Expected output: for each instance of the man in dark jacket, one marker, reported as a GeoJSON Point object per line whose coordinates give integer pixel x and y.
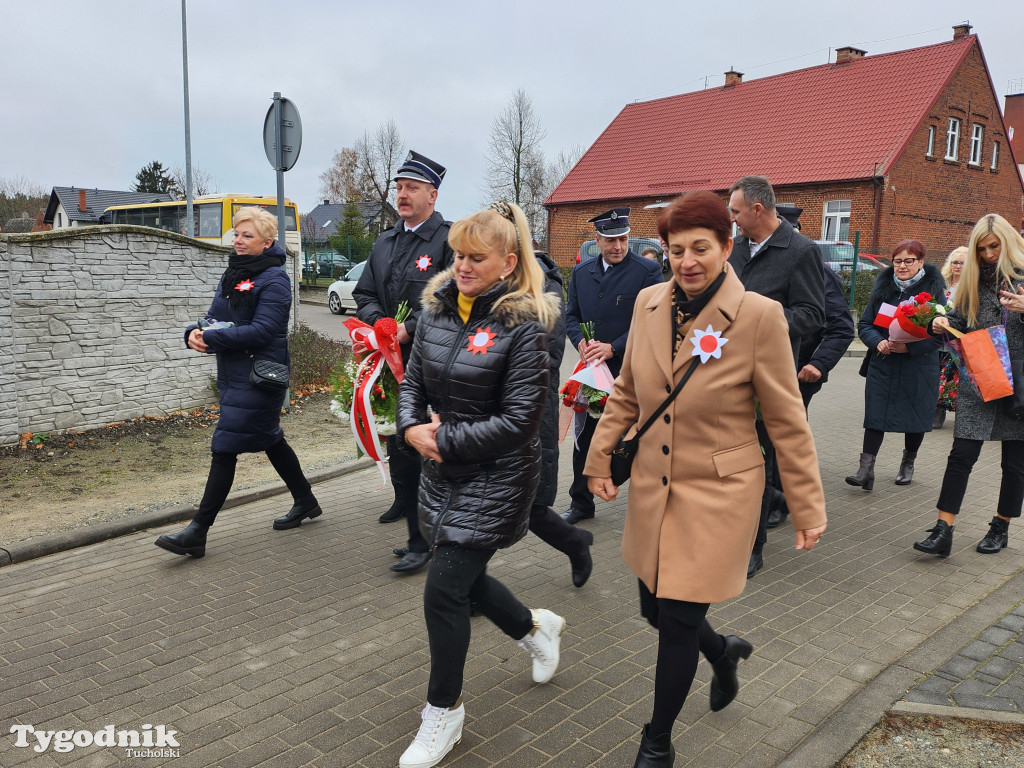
{"type": "Point", "coordinates": [401, 263]}
{"type": "Point", "coordinates": [822, 351]}
{"type": "Point", "coordinates": [603, 291]}
{"type": "Point", "coordinates": [773, 259]}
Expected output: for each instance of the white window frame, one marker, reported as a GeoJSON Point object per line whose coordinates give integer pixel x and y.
{"type": "Point", "coordinates": [977, 137]}
{"type": "Point", "coordinates": [995, 155]}
{"type": "Point", "coordinates": [953, 139]}
{"type": "Point", "coordinates": [930, 152]}
{"type": "Point", "coordinates": [835, 220]}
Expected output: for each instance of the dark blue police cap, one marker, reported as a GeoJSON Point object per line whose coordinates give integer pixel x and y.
{"type": "Point", "coordinates": [421, 168]}
{"type": "Point", "coordinates": [612, 223]}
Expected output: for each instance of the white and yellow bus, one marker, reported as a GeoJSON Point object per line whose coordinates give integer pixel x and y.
{"type": "Point", "coordinates": [212, 215]}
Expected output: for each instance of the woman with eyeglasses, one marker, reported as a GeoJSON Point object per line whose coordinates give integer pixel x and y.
{"type": "Point", "coordinates": [949, 374]}
{"type": "Point", "coordinates": [902, 379]}
{"type": "Point", "coordinates": [990, 293]}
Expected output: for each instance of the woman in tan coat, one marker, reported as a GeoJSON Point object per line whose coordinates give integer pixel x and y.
{"type": "Point", "coordinates": [697, 481]}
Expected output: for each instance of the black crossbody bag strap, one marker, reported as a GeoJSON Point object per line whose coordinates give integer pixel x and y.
{"type": "Point", "coordinates": [668, 400]}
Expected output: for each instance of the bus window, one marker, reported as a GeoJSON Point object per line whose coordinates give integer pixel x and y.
{"type": "Point", "coordinates": [289, 213]}
{"type": "Point", "coordinates": [208, 220]}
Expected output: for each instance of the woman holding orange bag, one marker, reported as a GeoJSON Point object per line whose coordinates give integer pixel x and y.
{"type": "Point", "coordinates": [990, 290]}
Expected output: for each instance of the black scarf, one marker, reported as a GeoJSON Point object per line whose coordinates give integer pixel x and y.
{"type": "Point", "coordinates": [687, 309]}
{"type": "Point", "coordinates": [240, 269]}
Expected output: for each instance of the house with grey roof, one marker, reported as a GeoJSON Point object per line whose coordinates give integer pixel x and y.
{"type": "Point", "coordinates": [74, 207]}
{"type": "Point", "coordinates": [325, 218]}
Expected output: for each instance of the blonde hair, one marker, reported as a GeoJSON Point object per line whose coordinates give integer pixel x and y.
{"type": "Point", "coordinates": [263, 220]}
{"type": "Point", "coordinates": [506, 232]}
{"type": "Point", "coordinates": [947, 268]}
{"type": "Point", "coordinates": [1009, 266]}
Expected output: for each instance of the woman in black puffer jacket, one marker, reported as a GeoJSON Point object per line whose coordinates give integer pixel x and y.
{"type": "Point", "coordinates": [253, 300]}
{"type": "Point", "coordinates": [471, 405]}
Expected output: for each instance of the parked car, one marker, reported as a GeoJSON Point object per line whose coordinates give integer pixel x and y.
{"type": "Point", "coordinates": [839, 256]}
{"type": "Point", "coordinates": [326, 266]}
{"type": "Point", "coordinates": [339, 294]}
{"type": "Point", "coordinates": [589, 249]}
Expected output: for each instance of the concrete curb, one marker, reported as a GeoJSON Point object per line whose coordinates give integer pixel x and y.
{"type": "Point", "coordinates": [21, 551]}
{"type": "Point", "coordinates": [962, 713]}
{"type": "Point", "coordinates": [844, 729]}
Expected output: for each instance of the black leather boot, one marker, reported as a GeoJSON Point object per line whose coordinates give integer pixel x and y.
{"type": "Point", "coordinates": [998, 536]}
{"type": "Point", "coordinates": [940, 418]}
{"type": "Point", "coordinates": [724, 683]}
{"type": "Point", "coordinates": [655, 752]}
{"type": "Point", "coordinates": [940, 542]}
{"type": "Point", "coordinates": [906, 473]}
{"type": "Point", "coordinates": [299, 512]}
{"type": "Point", "coordinates": [778, 510]}
{"type": "Point", "coordinates": [395, 512]}
{"type": "Point", "coordinates": [191, 541]}
{"type": "Point", "coordinates": [865, 476]}
{"type": "Point", "coordinates": [581, 561]}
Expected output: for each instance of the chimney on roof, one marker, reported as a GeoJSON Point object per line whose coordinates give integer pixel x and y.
{"type": "Point", "coordinates": [81, 200]}
{"type": "Point", "coordinates": [732, 77]}
{"type": "Point", "coordinates": [327, 202]}
{"type": "Point", "coordinates": [848, 53]}
{"type": "Point", "coordinates": [961, 31]}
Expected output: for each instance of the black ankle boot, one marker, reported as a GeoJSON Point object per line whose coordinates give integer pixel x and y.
{"type": "Point", "coordinates": [998, 536]}
{"type": "Point", "coordinates": [724, 684]}
{"type": "Point", "coordinates": [655, 753]}
{"type": "Point", "coordinates": [299, 512]}
{"type": "Point", "coordinates": [940, 542]}
{"type": "Point", "coordinates": [395, 512]}
{"type": "Point", "coordinates": [865, 476]}
{"type": "Point", "coordinates": [940, 418]}
{"type": "Point", "coordinates": [581, 561]}
{"type": "Point", "coordinates": [906, 473]}
{"type": "Point", "coordinates": [191, 541]}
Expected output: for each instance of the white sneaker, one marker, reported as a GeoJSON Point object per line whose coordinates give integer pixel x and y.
{"type": "Point", "coordinates": [439, 732]}
{"type": "Point", "coordinates": [543, 642]}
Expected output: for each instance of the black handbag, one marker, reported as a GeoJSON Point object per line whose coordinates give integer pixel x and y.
{"type": "Point", "coordinates": [624, 453]}
{"type": "Point", "coordinates": [268, 375]}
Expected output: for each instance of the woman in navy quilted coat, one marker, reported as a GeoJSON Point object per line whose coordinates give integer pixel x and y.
{"type": "Point", "coordinates": [471, 405]}
{"type": "Point", "coordinates": [255, 295]}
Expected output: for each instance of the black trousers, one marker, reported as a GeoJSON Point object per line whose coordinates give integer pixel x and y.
{"type": "Point", "coordinates": [770, 473]}
{"type": "Point", "coordinates": [456, 577]}
{"type": "Point", "coordinates": [962, 457]}
{"type": "Point", "coordinates": [550, 528]}
{"type": "Point", "coordinates": [405, 464]}
{"type": "Point", "coordinates": [222, 475]}
{"type": "Point", "coordinates": [873, 441]}
{"type": "Point", "coordinates": [582, 498]}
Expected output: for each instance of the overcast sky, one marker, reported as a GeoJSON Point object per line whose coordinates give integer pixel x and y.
{"type": "Point", "coordinates": [93, 88]}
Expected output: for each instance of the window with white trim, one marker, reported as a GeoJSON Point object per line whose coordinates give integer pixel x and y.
{"type": "Point", "coordinates": [836, 220]}
{"type": "Point", "coordinates": [930, 152]}
{"type": "Point", "coordinates": [995, 154]}
{"type": "Point", "coordinates": [953, 138]}
{"type": "Point", "coordinates": [977, 132]}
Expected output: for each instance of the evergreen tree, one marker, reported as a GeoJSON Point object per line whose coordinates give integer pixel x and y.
{"type": "Point", "coordinates": [153, 178]}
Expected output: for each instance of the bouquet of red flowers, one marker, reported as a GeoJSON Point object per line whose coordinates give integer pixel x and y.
{"type": "Point", "coordinates": [911, 319]}
{"type": "Point", "coordinates": [586, 392]}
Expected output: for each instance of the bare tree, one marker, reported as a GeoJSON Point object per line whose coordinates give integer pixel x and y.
{"type": "Point", "coordinates": [21, 198]}
{"type": "Point", "coordinates": [379, 157]}
{"type": "Point", "coordinates": [203, 182]}
{"type": "Point", "coordinates": [343, 181]}
{"type": "Point", "coordinates": [15, 186]}
{"type": "Point", "coordinates": [516, 168]}
{"type": "Point", "coordinates": [560, 166]}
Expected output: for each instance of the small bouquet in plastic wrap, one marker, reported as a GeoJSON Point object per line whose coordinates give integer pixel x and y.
{"type": "Point", "coordinates": [366, 388]}
{"type": "Point", "coordinates": [586, 392]}
{"type": "Point", "coordinates": [911, 318]}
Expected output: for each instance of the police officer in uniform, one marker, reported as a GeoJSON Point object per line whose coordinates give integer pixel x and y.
{"type": "Point", "coordinates": [401, 263]}
{"type": "Point", "coordinates": [603, 290]}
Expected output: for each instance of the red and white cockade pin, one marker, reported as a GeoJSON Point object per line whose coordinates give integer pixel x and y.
{"type": "Point", "coordinates": [481, 340]}
{"type": "Point", "coordinates": [245, 285]}
{"type": "Point", "coordinates": [423, 263]}
{"type": "Point", "coordinates": [707, 343]}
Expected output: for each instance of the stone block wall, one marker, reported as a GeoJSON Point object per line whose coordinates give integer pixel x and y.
{"type": "Point", "coordinates": [92, 326]}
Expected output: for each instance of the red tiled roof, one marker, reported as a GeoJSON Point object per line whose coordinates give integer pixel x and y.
{"type": "Point", "coordinates": [824, 123]}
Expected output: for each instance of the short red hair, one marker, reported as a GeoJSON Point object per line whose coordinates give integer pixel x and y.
{"type": "Point", "coordinates": [913, 247]}
{"type": "Point", "coordinates": [696, 210]}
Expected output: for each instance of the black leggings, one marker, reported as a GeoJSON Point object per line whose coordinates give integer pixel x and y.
{"type": "Point", "coordinates": [962, 457]}
{"type": "Point", "coordinates": [683, 635]}
{"type": "Point", "coordinates": [873, 441]}
{"type": "Point", "coordinates": [458, 575]}
{"type": "Point", "coordinates": [222, 475]}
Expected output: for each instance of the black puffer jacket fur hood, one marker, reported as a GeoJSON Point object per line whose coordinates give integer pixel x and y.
{"type": "Point", "coordinates": [488, 381]}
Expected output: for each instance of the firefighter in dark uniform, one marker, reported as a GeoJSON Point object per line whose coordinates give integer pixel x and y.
{"type": "Point", "coordinates": [401, 263]}
{"type": "Point", "coordinates": [603, 291]}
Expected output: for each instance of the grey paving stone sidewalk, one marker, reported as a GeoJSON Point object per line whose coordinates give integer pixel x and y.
{"type": "Point", "coordinates": [986, 674]}
{"type": "Point", "coordinates": [300, 648]}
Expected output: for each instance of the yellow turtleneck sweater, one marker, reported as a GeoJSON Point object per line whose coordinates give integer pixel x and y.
{"type": "Point", "coordinates": [465, 306]}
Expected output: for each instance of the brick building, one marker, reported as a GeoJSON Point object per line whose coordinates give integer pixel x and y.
{"type": "Point", "coordinates": [903, 144]}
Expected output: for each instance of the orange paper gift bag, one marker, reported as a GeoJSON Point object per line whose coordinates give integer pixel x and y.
{"type": "Point", "coordinates": [986, 360]}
